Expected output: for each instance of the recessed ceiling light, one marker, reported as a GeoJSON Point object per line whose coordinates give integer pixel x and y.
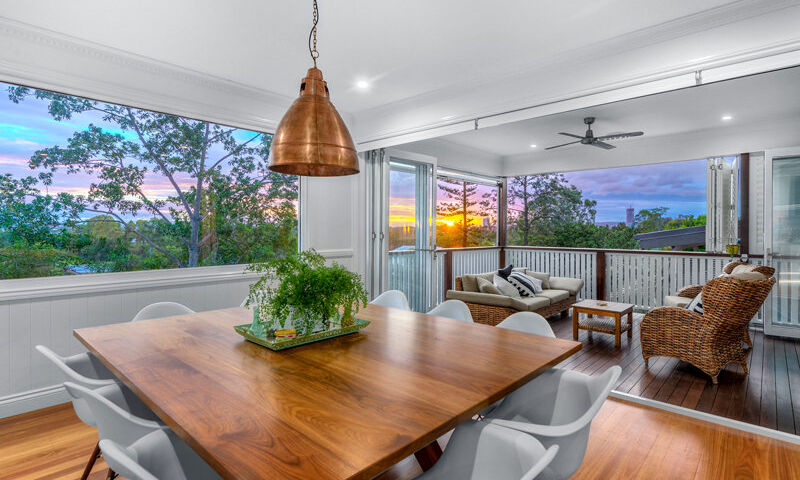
{"type": "Point", "coordinates": [726, 118]}
{"type": "Point", "coordinates": [362, 84]}
{"type": "Point", "coordinates": [448, 117]}
{"type": "Point", "coordinates": [533, 145]}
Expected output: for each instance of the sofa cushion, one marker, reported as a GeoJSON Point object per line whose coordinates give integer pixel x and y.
{"type": "Point", "coordinates": [532, 304]}
{"type": "Point", "coordinates": [526, 286]}
{"type": "Point", "coordinates": [485, 286]}
{"type": "Point", "coordinates": [544, 277]}
{"type": "Point", "coordinates": [554, 295]}
{"type": "Point", "coordinates": [505, 287]}
{"type": "Point", "coordinates": [482, 298]}
{"type": "Point", "coordinates": [676, 301]}
{"type": "Point", "coordinates": [572, 285]}
{"type": "Point", "coordinates": [505, 271]}
{"type": "Point", "coordinates": [469, 283]}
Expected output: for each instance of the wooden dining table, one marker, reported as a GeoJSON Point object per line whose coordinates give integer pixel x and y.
{"type": "Point", "coordinates": [343, 408]}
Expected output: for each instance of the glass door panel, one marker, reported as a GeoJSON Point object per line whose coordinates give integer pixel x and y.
{"type": "Point", "coordinates": [411, 255]}
{"type": "Point", "coordinates": [783, 241]}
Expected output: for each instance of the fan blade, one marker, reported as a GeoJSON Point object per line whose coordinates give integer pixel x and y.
{"type": "Point", "coordinates": [618, 136]}
{"type": "Point", "coordinates": [604, 145]}
{"type": "Point", "coordinates": [562, 145]}
{"type": "Point", "coordinates": [571, 135]}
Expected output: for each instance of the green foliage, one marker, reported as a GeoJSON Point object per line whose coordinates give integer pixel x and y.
{"type": "Point", "coordinates": [300, 288]}
{"type": "Point", "coordinates": [539, 204]}
{"type": "Point", "coordinates": [25, 261]}
{"type": "Point", "coordinates": [651, 220]}
{"type": "Point", "coordinates": [690, 221]}
{"type": "Point", "coordinates": [588, 235]}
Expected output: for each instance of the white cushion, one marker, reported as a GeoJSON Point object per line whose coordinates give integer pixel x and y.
{"type": "Point", "coordinates": [527, 286]}
{"type": "Point", "coordinates": [748, 276]}
{"type": "Point", "coordinates": [485, 286]}
{"type": "Point", "coordinates": [743, 268]}
{"type": "Point", "coordinates": [676, 301]}
{"type": "Point", "coordinates": [696, 305]}
{"type": "Point", "coordinates": [505, 288]}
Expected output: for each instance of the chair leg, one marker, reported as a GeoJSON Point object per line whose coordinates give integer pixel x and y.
{"type": "Point", "coordinates": [714, 379]}
{"type": "Point", "coordinates": [747, 338]}
{"type": "Point", "coordinates": [111, 475]}
{"type": "Point", "coordinates": [743, 363]}
{"type": "Point", "coordinates": [92, 460]}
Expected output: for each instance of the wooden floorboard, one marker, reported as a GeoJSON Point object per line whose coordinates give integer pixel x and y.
{"type": "Point", "coordinates": [626, 441]}
{"type": "Point", "coordinates": [768, 396]}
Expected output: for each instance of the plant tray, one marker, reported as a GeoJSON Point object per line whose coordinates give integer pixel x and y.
{"type": "Point", "coordinates": [284, 343]}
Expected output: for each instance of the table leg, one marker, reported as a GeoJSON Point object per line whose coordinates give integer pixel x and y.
{"type": "Point", "coordinates": [630, 324]}
{"type": "Point", "coordinates": [428, 455]}
{"type": "Point", "coordinates": [574, 323]}
{"type": "Point", "coordinates": [617, 328]}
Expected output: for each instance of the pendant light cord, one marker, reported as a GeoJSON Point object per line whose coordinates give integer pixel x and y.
{"type": "Point", "coordinates": [312, 37]}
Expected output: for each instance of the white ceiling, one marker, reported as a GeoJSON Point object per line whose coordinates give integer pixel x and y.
{"type": "Point", "coordinates": [753, 100]}
{"type": "Point", "coordinates": [405, 48]}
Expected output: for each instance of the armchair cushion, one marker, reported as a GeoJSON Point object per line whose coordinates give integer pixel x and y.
{"type": "Point", "coordinates": [676, 301]}
{"type": "Point", "coordinates": [554, 295]}
{"type": "Point", "coordinates": [696, 305]}
{"type": "Point", "coordinates": [572, 285]}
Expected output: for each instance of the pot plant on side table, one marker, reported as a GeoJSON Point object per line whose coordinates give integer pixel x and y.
{"type": "Point", "coordinates": [299, 300]}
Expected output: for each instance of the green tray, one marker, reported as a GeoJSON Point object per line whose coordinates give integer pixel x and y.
{"type": "Point", "coordinates": [284, 343]}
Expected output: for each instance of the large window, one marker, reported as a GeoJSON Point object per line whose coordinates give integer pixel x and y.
{"type": "Point", "coordinates": [466, 210]}
{"type": "Point", "coordinates": [91, 187]}
{"type": "Point", "coordinates": [611, 208]}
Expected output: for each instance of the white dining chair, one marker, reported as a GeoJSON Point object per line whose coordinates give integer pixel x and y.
{"type": "Point", "coordinates": [84, 369]}
{"type": "Point", "coordinates": [528, 322]}
{"type": "Point", "coordinates": [482, 451]}
{"type": "Point", "coordinates": [161, 310]}
{"type": "Point", "coordinates": [159, 455]}
{"type": "Point", "coordinates": [110, 408]}
{"type": "Point", "coordinates": [392, 299]}
{"type": "Point", "coordinates": [455, 309]}
{"type": "Point", "coordinates": [557, 408]}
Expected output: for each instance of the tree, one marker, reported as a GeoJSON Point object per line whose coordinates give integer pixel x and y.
{"type": "Point", "coordinates": [543, 202]}
{"type": "Point", "coordinates": [216, 180]}
{"type": "Point", "coordinates": [651, 220]}
{"type": "Point", "coordinates": [466, 204]}
{"type": "Point", "coordinates": [686, 222]}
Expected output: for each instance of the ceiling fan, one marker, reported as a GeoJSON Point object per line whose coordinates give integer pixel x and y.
{"type": "Point", "coordinates": [590, 139]}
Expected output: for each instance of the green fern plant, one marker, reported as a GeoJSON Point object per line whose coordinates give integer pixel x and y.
{"type": "Point", "coordinates": [301, 288]}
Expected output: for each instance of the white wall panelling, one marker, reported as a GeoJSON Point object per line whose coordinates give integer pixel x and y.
{"type": "Point", "coordinates": [28, 381]}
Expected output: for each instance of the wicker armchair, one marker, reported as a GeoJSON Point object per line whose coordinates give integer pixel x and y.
{"type": "Point", "coordinates": [714, 339]}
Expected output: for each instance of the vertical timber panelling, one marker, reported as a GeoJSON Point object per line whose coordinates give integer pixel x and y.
{"type": "Point", "coordinates": [50, 321]}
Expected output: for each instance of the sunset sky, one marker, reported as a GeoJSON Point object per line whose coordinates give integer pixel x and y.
{"type": "Point", "coordinates": [27, 126]}
{"type": "Point", "coordinates": [681, 186]}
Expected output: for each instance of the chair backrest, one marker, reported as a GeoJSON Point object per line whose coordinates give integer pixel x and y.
{"type": "Point", "coordinates": [392, 299]}
{"type": "Point", "coordinates": [161, 310]}
{"type": "Point", "coordinates": [159, 455]}
{"type": "Point", "coordinates": [83, 369]}
{"type": "Point", "coordinates": [455, 309]}
{"type": "Point", "coordinates": [528, 322]}
{"type": "Point", "coordinates": [112, 421]}
{"type": "Point", "coordinates": [729, 304]}
{"type": "Point", "coordinates": [563, 405]}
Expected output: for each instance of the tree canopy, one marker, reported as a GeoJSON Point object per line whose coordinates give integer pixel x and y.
{"type": "Point", "coordinates": [216, 201]}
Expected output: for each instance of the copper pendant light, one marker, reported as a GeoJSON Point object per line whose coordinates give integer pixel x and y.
{"type": "Point", "coordinates": [312, 139]}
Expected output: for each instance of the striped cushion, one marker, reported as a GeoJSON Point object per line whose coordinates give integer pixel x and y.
{"type": "Point", "coordinates": [696, 305]}
{"type": "Point", "coordinates": [526, 286]}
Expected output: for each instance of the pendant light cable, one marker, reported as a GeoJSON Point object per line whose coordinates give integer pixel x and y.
{"type": "Point", "coordinates": [312, 37]}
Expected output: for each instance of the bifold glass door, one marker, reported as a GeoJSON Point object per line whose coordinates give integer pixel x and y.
{"type": "Point", "coordinates": [411, 231]}
{"type": "Point", "coordinates": [782, 240]}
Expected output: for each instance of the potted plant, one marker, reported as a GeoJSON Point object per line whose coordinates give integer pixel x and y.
{"type": "Point", "coordinates": [301, 292]}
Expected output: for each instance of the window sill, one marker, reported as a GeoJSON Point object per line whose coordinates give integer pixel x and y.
{"type": "Point", "coordinates": [28, 288]}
